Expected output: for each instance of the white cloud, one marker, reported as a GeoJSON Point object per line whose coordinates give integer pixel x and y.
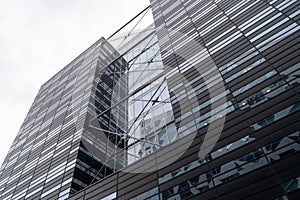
{"type": "Point", "coordinates": [40, 37]}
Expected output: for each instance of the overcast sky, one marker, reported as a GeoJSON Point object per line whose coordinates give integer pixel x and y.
{"type": "Point", "coordinates": [40, 37]}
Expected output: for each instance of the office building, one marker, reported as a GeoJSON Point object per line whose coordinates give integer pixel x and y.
{"type": "Point", "coordinates": [202, 105]}
{"type": "Point", "coordinates": [49, 154]}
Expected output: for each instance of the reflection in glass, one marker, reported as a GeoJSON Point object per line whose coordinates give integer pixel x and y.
{"type": "Point", "coordinates": [277, 116]}
{"type": "Point", "coordinates": [235, 168]}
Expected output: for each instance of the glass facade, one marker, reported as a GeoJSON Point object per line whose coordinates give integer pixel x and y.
{"type": "Point", "coordinates": [49, 157]}
{"type": "Point", "coordinates": [113, 123]}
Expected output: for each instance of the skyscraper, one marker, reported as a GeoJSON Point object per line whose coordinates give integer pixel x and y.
{"type": "Point", "coordinates": [43, 156]}
{"type": "Point", "coordinates": [202, 105]}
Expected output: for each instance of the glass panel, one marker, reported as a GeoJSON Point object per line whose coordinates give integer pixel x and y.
{"type": "Point", "coordinates": [192, 165]}
{"type": "Point", "coordinates": [110, 197]}
{"type": "Point", "coordinates": [150, 194]}
{"type": "Point", "coordinates": [233, 169]}
{"type": "Point", "coordinates": [275, 117]}
{"type": "Point", "coordinates": [290, 78]}
{"type": "Point", "coordinates": [255, 82]}
{"type": "Point", "coordinates": [245, 70]}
